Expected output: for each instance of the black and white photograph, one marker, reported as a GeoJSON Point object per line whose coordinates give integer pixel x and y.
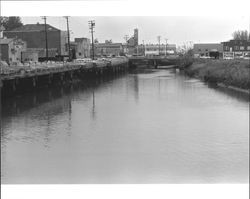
{"type": "Point", "coordinates": [109, 99]}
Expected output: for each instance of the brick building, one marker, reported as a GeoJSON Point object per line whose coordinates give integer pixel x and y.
{"type": "Point", "coordinates": [34, 36]}
{"type": "Point", "coordinates": [208, 50]}
{"type": "Point", "coordinates": [236, 49]}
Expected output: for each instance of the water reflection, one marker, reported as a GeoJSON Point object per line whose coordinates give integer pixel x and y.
{"type": "Point", "coordinates": [93, 108]}
{"type": "Point", "coordinates": [145, 127]}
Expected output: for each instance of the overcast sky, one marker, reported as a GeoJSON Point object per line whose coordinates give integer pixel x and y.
{"type": "Point", "coordinates": [177, 30]}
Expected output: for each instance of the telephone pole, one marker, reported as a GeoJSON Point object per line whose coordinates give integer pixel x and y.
{"type": "Point", "coordinates": [46, 37]}
{"type": "Point", "coordinates": [67, 19]}
{"type": "Point", "coordinates": [166, 46]}
{"type": "Point", "coordinates": [91, 27]}
{"type": "Point", "coordinates": [159, 40]}
{"type": "Point", "coordinates": [143, 47]}
{"type": "Point", "coordinates": [126, 39]}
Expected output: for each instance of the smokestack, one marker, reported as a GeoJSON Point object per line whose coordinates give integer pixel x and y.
{"type": "Point", "coordinates": [136, 37]}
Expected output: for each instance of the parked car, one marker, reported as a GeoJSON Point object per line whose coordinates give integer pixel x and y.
{"type": "Point", "coordinates": [205, 57]}
{"type": "Point", "coordinates": [228, 58]}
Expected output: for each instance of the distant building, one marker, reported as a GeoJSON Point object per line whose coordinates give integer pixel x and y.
{"type": "Point", "coordinates": [11, 50]}
{"type": "Point", "coordinates": [236, 49]}
{"type": "Point", "coordinates": [34, 36]}
{"type": "Point", "coordinates": [108, 49]}
{"type": "Point", "coordinates": [156, 49]}
{"type": "Point", "coordinates": [134, 40]}
{"type": "Point", "coordinates": [131, 47]}
{"type": "Point", "coordinates": [82, 47]}
{"type": "Point", "coordinates": [208, 49]}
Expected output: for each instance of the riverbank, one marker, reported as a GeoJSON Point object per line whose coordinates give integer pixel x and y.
{"type": "Point", "coordinates": [234, 74]}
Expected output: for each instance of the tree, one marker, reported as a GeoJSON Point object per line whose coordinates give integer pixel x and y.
{"type": "Point", "coordinates": [10, 23]}
{"type": "Point", "coordinates": [241, 35]}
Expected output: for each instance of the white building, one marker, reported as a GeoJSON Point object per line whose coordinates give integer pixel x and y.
{"type": "Point", "coordinates": [163, 49]}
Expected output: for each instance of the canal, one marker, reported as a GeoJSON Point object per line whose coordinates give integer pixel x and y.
{"type": "Point", "coordinates": [147, 127]}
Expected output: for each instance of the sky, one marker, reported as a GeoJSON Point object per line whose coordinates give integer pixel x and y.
{"type": "Point", "coordinates": [177, 29]}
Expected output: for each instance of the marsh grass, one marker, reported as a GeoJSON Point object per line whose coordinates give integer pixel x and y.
{"type": "Point", "coordinates": [229, 72]}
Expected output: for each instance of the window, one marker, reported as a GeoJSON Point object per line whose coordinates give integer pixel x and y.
{"type": "Point", "coordinates": [236, 48]}
{"type": "Point", "coordinates": [242, 48]}
{"type": "Point", "coordinates": [248, 48]}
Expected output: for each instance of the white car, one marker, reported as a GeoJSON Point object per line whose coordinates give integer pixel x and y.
{"type": "Point", "coordinates": [205, 57]}
{"type": "Point", "coordinates": [228, 58]}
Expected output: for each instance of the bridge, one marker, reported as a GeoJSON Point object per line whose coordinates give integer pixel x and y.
{"type": "Point", "coordinates": [153, 62]}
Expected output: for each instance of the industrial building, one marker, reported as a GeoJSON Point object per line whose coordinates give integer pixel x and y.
{"type": "Point", "coordinates": [108, 49]}
{"type": "Point", "coordinates": [35, 37]}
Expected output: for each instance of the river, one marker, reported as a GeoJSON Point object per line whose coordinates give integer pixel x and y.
{"type": "Point", "coordinates": [148, 127]}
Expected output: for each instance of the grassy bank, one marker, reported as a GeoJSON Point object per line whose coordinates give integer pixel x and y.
{"type": "Point", "coordinates": [228, 72]}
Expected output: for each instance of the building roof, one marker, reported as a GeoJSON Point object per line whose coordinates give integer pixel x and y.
{"type": "Point", "coordinates": [236, 41]}
{"type": "Point", "coordinates": [5, 41]}
{"type": "Point", "coordinates": [81, 39]}
{"type": "Point", "coordinates": [108, 44]}
{"type": "Point", "coordinates": [33, 28]}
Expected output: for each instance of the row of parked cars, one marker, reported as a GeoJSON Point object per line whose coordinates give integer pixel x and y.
{"type": "Point", "coordinates": [36, 67]}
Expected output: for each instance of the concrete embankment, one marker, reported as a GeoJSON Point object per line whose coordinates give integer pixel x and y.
{"type": "Point", "coordinates": [233, 74]}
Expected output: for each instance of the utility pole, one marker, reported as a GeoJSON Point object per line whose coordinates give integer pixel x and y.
{"type": "Point", "coordinates": [143, 48]}
{"type": "Point", "coordinates": [166, 46]}
{"type": "Point", "coordinates": [46, 37]}
{"type": "Point", "coordinates": [126, 39]}
{"type": "Point", "coordinates": [159, 40]}
{"type": "Point", "coordinates": [91, 27]}
{"type": "Point", "coordinates": [67, 19]}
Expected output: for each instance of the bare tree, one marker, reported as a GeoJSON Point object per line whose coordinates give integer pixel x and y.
{"type": "Point", "coordinates": [241, 35]}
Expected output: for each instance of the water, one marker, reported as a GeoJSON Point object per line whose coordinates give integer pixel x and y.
{"type": "Point", "coordinates": [154, 127]}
